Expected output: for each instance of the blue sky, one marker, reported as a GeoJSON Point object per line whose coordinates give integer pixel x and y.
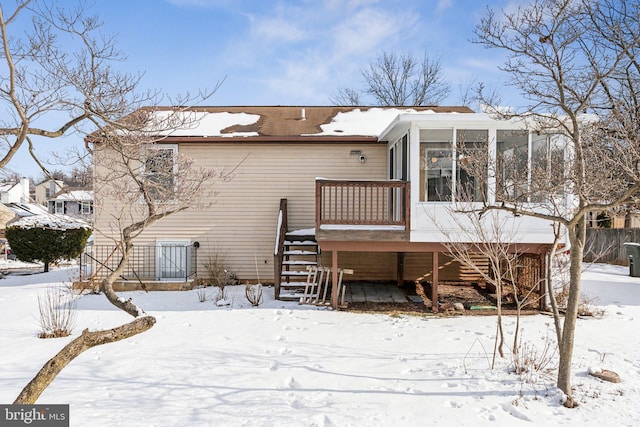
{"type": "Point", "coordinates": [287, 52]}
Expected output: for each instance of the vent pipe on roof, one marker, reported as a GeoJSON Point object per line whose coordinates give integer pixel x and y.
{"type": "Point", "coordinates": [303, 115]}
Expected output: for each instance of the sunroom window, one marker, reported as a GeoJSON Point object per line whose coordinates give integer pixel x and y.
{"type": "Point", "coordinates": [436, 164]}
{"type": "Point", "coordinates": [472, 146]}
{"type": "Point", "coordinates": [512, 165]}
{"type": "Point", "coordinates": [547, 166]}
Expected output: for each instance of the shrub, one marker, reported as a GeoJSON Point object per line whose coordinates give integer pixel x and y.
{"type": "Point", "coordinates": [57, 309]}
{"type": "Point", "coordinates": [253, 293]}
{"type": "Point", "coordinates": [531, 361]}
{"type": "Point", "coordinates": [46, 245]}
{"type": "Point", "coordinates": [220, 274]}
{"type": "Point", "coordinates": [201, 289]}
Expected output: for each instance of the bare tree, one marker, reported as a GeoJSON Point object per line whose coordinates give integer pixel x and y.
{"type": "Point", "coordinates": [568, 58]}
{"type": "Point", "coordinates": [484, 243]}
{"type": "Point", "coordinates": [82, 176]}
{"type": "Point", "coordinates": [398, 80]}
{"type": "Point", "coordinates": [346, 96]}
{"type": "Point", "coordinates": [59, 71]}
{"type": "Point", "coordinates": [143, 183]}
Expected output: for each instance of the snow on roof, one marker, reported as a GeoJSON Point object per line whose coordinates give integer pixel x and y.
{"type": "Point", "coordinates": [7, 186]}
{"type": "Point", "coordinates": [274, 122]}
{"type": "Point", "coordinates": [76, 195]}
{"type": "Point", "coordinates": [27, 209]}
{"type": "Point", "coordinates": [47, 220]}
{"type": "Point", "coordinates": [209, 123]}
{"type": "Point", "coordinates": [371, 122]}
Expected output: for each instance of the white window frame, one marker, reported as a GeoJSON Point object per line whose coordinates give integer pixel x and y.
{"type": "Point", "coordinates": [160, 259]}
{"type": "Point", "coordinates": [162, 147]}
{"type": "Point", "coordinates": [85, 207]}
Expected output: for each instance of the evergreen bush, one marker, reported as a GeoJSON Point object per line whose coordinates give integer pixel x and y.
{"type": "Point", "coordinates": [46, 245]}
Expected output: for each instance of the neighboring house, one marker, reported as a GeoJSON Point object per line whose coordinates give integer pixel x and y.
{"type": "Point", "coordinates": [46, 189]}
{"type": "Point", "coordinates": [15, 192]}
{"type": "Point", "coordinates": [6, 215]}
{"type": "Point", "coordinates": [74, 203]}
{"type": "Point", "coordinates": [10, 212]}
{"type": "Point", "coordinates": [370, 187]}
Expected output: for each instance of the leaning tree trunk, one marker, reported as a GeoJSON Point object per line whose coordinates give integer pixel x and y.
{"type": "Point", "coordinates": [577, 239]}
{"type": "Point", "coordinates": [85, 341]}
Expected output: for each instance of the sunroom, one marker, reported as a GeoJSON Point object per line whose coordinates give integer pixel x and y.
{"type": "Point", "coordinates": [441, 167]}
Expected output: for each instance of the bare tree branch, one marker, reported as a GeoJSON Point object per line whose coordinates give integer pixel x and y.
{"type": "Point", "coordinates": [61, 76]}
{"type": "Point", "coordinates": [568, 58]}
{"type": "Point", "coordinates": [33, 390]}
{"type": "Point", "coordinates": [398, 80]}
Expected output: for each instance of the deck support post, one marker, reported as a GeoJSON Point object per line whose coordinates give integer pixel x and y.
{"type": "Point", "coordinates": [400, 267]}
{"type": "Point", "coordinates": [434, 283]}
{"type": "Point", "coordinates": [543, 259]}
{"type": "Point", "coordinates": [334, 279]}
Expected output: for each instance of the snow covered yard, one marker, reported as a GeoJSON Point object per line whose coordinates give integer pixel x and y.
{"type": "Point", "coordinates": [282, 364]}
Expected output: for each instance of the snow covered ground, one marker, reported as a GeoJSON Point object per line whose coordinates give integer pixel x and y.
{"type": "Point", "coordinates": [282, 364]}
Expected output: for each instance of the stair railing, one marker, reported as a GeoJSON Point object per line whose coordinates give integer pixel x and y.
{"type": "Point", "coordinates": [278, 253]}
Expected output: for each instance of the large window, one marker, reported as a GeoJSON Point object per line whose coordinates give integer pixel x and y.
{"type": "Point", "coordinates": [160, 171]}
{"type": "Point", "coordinates": [524, 175]}
{"type": "Point", "coordinates": [547, 166]}
{"type": "Point", "coordinates": [436, 164]}
{"type": "Point", "coordinates": [454, 165]}
{"type": "Point", "coordinates": [512, 174]}
{"type": "Point", "coordinates": [471, 174]}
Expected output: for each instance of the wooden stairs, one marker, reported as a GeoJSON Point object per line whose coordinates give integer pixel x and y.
{"type": "Point", "coordinates": [300, 251]}
{"type": "Point", "coordinates": [297, 275]}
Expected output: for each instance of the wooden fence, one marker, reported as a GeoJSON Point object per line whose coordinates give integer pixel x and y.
{"type": "Point", "coordinates": [607, 244]}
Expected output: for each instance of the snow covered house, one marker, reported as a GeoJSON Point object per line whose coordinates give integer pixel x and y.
{"type": "Point", "coordinates": [368, 189]}
{"type": "Point", "coordinates": [76, 203]}
{"type": "Point", "coordinates": [46, 189]}
{"type": "Point", "coordinates": [11, 212]}
{"type": "Point", "coordinates": [15, 192]}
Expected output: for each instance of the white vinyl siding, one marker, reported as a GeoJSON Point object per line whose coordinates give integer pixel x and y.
{"type": "Point", "coordinates": [240, 223]}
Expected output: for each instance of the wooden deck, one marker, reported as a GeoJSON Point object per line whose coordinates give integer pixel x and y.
{"type": "Point", "coordinates": [374, 216]}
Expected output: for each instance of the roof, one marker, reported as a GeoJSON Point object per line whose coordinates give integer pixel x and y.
{"type": "Point", "coordinates": [283, 123]}
{"type": "Point", "coordinates": [31, 215]}
{"type": "Point", "coordinates": [47, 181]}
{"type": "Point", "coordinates": [73, 195]}
{"type": "Point", "coordinates": [7, 186]}
{"type": "Point", "coordinates": [26, 209]}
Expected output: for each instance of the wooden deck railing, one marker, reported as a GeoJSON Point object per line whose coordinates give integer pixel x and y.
{"type": "Point", "coordinates": [362, 203]}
